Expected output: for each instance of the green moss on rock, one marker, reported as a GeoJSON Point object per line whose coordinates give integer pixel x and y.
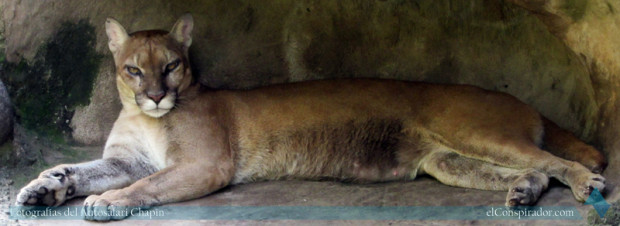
{"type": "Point", "coordinates": [47, 90]}
{"type": "Point", "coordinates": [576, 9]}
{"type": "Point", "coordinates": [611, 217]}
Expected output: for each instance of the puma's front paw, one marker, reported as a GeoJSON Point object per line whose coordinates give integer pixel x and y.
{"type": "Point", "coordinates": [52, 188]}
{"type": "Point", "coordinates": [111, 205]}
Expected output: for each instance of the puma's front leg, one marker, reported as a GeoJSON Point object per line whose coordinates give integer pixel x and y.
{"type": "Point", "coordinates": [56, 185]}
{"type": "Point", "coordinates": [175, 183]}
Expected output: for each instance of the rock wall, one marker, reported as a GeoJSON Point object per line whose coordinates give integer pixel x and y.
{"type": "Point", "coordinates": [590, 29]}
{"type": "Point", "coordinates": [6, 114]}
{"type": "Point", "coordinates": [243, 44]}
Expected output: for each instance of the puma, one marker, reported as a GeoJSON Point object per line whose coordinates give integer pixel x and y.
{"type": "Point", "coordinates": [177, 140]}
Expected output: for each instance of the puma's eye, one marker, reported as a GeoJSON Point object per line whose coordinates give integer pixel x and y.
{"type": "Point", "coordinates": [134, 71]}
{"type": "Point", "coordinates": [171, 66]}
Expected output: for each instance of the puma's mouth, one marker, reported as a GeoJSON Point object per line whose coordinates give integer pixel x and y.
{"type": "Point", "coordinates": [156, 113]}
{"type": "Point", "coordinates": [156, 110]}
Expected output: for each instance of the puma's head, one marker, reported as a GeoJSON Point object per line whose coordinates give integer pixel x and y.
{"type": "Point", "coordinates": [152, 67]}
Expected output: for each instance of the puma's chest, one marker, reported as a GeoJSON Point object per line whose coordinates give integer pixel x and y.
{"type": "Point", "coordinates": [139, 136]}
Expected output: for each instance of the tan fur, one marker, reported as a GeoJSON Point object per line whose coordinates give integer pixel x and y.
{"type": "Point", "coordinates": [362, 130]}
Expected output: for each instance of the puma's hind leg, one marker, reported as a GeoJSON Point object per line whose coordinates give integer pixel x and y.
{"type": "Point", "coordinates": [514, 151]}
{"type": "Point", "coordinates": [523, 186]}
{"type": "Point", "coordinates": [564, 144]}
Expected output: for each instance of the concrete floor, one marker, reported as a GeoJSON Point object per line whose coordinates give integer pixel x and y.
{"type": "Point", "coordinates": [421, 192]}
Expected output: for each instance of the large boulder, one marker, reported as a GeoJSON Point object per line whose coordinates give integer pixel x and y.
{"type": "Point", "coordinates": [92, 123]}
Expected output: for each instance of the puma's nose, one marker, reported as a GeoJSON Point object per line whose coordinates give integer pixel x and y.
{"type": "Point", "coordinates": [156, 96]}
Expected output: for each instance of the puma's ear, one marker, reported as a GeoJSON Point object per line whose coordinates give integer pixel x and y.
{"type": "Point", "coordinates": [116, 34]}
{"type": "Point", "coordinates": [182, 30]}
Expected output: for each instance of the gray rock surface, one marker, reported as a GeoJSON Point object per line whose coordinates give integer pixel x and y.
{"type": "Point", "coordinates": [423, 192]}
{"type": "Point", "coordinates": [91, 124]}
{"type": "Point", "coordinates": [6, 114]}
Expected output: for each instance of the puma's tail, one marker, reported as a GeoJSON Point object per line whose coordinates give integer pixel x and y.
{"type": "Point", "coordinates": [564, 144]}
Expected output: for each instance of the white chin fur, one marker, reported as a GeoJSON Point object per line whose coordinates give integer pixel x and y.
{"type": "Point", "coordinates": [157, 110]}
{"type": "Point", "coordinates": [156, 113]}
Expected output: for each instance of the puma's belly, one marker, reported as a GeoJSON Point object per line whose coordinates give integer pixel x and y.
{"type": "Point", "coordinates": [360, 150]}
{"type": "Point", "coordinates": [318, 130]}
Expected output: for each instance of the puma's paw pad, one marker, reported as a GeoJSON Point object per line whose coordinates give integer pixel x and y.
{"type": "Point", "coordinates": [526, 189]}
{"type": "Point", "coordinates": [44, 191]}
{"type": "Point", "coordinates": [583, 191]}
{"type": "Point", "coordinates": [520, 196]}
{"type": "Point", "coordinates": [52, 188]}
